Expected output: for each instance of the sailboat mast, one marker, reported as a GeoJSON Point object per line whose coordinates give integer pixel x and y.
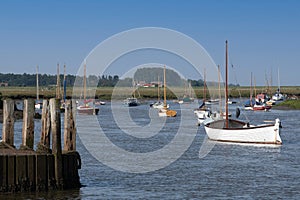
{"type": "Point", "coordinates": [255, 86]}
{"type": "Point", "coordinates": [158, 95]}
{"type": "Point", "coordinates": [204, 86]}
{"type": "Point", "coordinates": [84, 82]}
{"type": "Point", "coordinates": [271, 84]}
{"type": "Point", "coordinates": [226, 86]}
{"type": "Point", "coordinates": [165, 91]}
{"type": "Point", "coordinates": [65, 83]}
{"type": "Point", "coordinates": [278, 80]}
{"type": "Point", "coordinates": [37, 82]}
{"type": "Point", "coordinates": [251, 90]}
{"type": "Point", "coordinates": [58, 83]}
{"type": "Point", "coordinates": [219, 82]}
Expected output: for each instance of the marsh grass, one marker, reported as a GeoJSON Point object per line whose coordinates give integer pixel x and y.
{"type": "Point", "coordinates": [105, 93]}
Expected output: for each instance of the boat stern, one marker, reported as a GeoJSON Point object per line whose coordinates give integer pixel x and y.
{"type": "Point", "coordinates": [277, 128]}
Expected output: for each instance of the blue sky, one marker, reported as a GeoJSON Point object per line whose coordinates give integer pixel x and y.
{"type": "Point", "coordinates": [263, 35]}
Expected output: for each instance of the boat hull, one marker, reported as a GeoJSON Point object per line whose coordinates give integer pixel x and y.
{"type": "Point", "coordinates": [159, 105]}
{"type": "Point", "coordinates": [264, 134]}
{"type": "Point", "coordinates": [167, 113]}
{"type": "Point", "coordinates": [87, 110]}
{"type": "Point", "coordinates": [130, 102]}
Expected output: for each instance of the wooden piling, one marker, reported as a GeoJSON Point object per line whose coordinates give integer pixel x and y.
{"type": "Point", "coordinates": [69, 128]}
{"type": "Point", "coordinates": [56, 140]}
{"type": "Point", "coordinates": [40, 171]}
{"type": "Point", "coordinates": [8, 122]}
{"type": "Point", "coordinates": [28, 124]}
{"type": "Point", "coordinates": [44, 144]}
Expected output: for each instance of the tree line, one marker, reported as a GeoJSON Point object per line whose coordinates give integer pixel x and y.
{"type": "Point", "coordinates": [45, 80]}
{"type": "Point", "coordinates": [147, 75]}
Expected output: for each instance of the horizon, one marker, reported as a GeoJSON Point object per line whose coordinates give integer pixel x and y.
{"type": "Point", "coordinates": [262, 35]}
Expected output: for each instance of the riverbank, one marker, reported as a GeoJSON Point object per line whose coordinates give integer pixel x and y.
{"type": "Point", "coordinates": [105, 93]}
{"type": "Point", "coordinates": [293, 104]}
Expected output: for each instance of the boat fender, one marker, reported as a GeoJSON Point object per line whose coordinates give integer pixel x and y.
{"type": "Point", "coordinates": [279, 122]}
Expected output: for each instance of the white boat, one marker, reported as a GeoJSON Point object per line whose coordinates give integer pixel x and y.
{"type": "Point", "coordinates": [38, 103]}
{"type": "Point", "coordinates": [100, 103]}
{"type": "Point", "coordinates": [212, 101]}
{"type": "Point", "coordinates": [87, 109]}
{"type": "Point", "coordinates": [165, 112]}
{"type": "Point", "coordinates": [232, 102]}
{"type": "Point", "coordinates": [188, 96]}
{"type": "Point", "coordinates": [131, 101]}
{"type": "Point", "coordinates": [159, 105]}
{"type": "Point", "coordinates": [278, 96]}
{"type": "Point", "coordinates": [202, 115]}
{"type": "Point", "coordinates": [242, 132]}
{"type": "Point", "coordinates": [203, 112]}
{"type": "Point", "coordinates": [87, 106]}
{"type": "Point", "coordinates": [230, 130]}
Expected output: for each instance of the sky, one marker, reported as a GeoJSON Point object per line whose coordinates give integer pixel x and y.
{"type": "Point", "coordinates": [263, 35]}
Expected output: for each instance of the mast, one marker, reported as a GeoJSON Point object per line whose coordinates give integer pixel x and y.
{"type": "Point", "coordinates": [226, 85]}
{"type": "Point", "coordinates": [58, 83]}
{"type": "Point", "coordinates": [165, 91]}
{"type": "Point", "coordinates": [220, 98]}
{"type": "Point", "coordinates": [158, 95]}
{"type": "Point", "coordinates": [251, 90]}
{"type": "Point", "coordinates": [271, 84]}
{"type": "Point", "coordinates": [278, 80]}
{"type": "Point", "coordinates": [84, 81]}
{"type": "Point", "coordinates": [133, 85]}
{"type": "Point", "coordinates": [37, 82]}
{"type": "Point", "coordinates": [65, 83]}
{"type": "Point", "coordinates": [255, 86]}
{"type": "Point", "coordinates": [204, 86]}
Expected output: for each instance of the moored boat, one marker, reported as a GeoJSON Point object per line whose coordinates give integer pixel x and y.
{"type": "Point", "coordinates": [87, 106]}
{"type": "Point", "coordinates": [232, 130]}
{"type": "Point", "coordinates": [165, 112]}
{"type": "Point", "coordinates": [131, 101]}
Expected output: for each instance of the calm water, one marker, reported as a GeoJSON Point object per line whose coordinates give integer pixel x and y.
{"type": "Point", "coordinates": [228, 171]}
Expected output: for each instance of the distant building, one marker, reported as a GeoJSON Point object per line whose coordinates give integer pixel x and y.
{"type": "Point", "coordinates": [147, 85]}
{"type": "Point", "coordinates": [3, 84]}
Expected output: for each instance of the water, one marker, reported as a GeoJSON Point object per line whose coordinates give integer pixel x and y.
{"type": "Point", "coordinates": [229, 171]}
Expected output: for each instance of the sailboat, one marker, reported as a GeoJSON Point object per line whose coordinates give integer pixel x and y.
{"type": "Point", "coordinates": [278, 96]}
{"type": "Point", "coordinates": [203, 112]}
{"type": "Point", "coordinates": [187, 98]}
{"type": "Point", "coordinates": [38, 103]}
{"type": "Point", "coordinates": [131, 101]}
{"type": "Point", "coordinates": [63, 101]}
{"type": "Point", "coordinates": [159, 104]}
{"type": "Point", "coordinates": [88, 105]}
{"type": "Point", "coordinates": [232, 130]}
{"type": "Point", "coordinates": [257, 104]}
{"type": "Point", "coordinates": [165, 112]}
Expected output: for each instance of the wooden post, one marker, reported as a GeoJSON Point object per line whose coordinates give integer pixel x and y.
{"type": "Point", "coordinates": [8, 122]}
{"type": "Point", "coordinates": [28, 124]}
{"type": "Point", "coordinates": [44, 145]}
{"type": "Point", "coordinates": [56, 140]}
{"type": "Point", "coordinates": [74, 130]}
{"type": "Point", "coordinates": [69, 128]}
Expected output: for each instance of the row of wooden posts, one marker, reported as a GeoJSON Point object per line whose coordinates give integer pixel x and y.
{"type": "Point", "coordinates": [56, 164]}
{"type": "Point", "coordinates": [50, 123]}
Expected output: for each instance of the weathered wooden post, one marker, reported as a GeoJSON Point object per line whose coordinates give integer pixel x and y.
{"type": "Point", "coordinates": [56, 141]}
{"type": "Point", "coordinates": [44, 144]}
{"type": "Point", "coordinates": [69, 128]}
{"type": "Point", "coordinates": [28, 124]}
{"type": "Point", "coordinates": [8, 122]}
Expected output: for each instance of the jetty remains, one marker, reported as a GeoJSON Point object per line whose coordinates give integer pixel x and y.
{"type": "Point", "coordinates": [45, 168]}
